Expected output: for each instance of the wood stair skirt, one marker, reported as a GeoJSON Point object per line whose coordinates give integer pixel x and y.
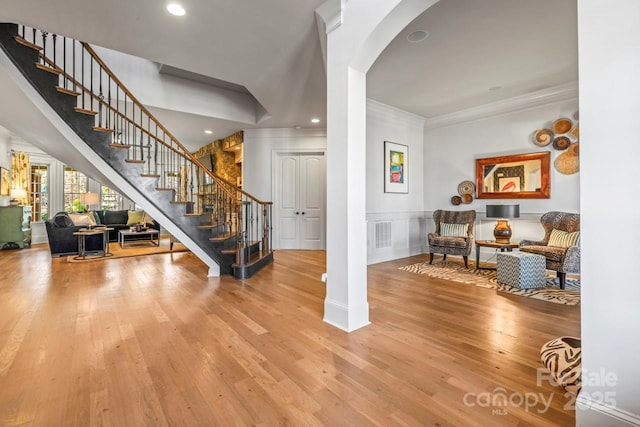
{"type": "Point", "coordinates": [96, 131]}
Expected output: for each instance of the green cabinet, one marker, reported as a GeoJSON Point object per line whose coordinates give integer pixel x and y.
{"type": "Point", "coordinates": [15, 226]}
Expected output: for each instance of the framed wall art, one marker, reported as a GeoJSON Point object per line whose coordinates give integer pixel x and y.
{"type": "Point", "coordinates": [396, 172]}
{"type": "Point", "coordinates": [5, 182]}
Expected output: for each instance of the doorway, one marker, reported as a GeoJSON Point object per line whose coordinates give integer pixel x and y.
{"type": "Point", "coordinates": [299, 200]}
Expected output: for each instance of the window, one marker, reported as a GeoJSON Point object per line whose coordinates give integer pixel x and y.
{"type": "Point", "coordinates": [75, 184]}
{"type": "Point", "coordinates": [111, 199]}
{"type": "Point", "coordinates": [39, 192]}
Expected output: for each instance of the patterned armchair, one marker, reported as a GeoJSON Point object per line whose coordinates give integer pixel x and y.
{"type": "Point", "coordinates": [560, 259]}
{"type": "Point", "coordinates": [453, 238]}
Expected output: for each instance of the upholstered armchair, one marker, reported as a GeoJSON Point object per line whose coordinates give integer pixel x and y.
{"type": "Point", "coordinates": [453, 235]}
{"type": "Point", "coordinates": [560, 245]}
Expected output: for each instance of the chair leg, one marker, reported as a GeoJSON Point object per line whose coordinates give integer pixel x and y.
{"type": "Point", "coordinates": [561, 276]}
{"type": "Point", "coordinates": [466, 259]}
{"type": "Point", "coordinates": [444, 257]}
{"type": "Point", "coordinates": [430, 257]}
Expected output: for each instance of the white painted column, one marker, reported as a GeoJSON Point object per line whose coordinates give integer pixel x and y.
{"type": "Point", "coordinates": [357, 31]}
{"type": "Point", "coordinates": [609, 65]}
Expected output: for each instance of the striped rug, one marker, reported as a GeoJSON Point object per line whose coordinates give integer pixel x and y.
{"type": "Point", "coordinates": [454, 271]}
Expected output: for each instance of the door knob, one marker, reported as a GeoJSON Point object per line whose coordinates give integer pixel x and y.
{"type": "Point", "coordinates": [302, 213]}
{"type": "Point", "coordinates": [297, 213]}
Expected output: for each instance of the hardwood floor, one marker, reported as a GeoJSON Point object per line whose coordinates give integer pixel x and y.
{"type": "Point", "coordinates": [152, 341]}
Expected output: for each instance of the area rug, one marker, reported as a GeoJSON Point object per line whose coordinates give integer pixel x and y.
{"type": "Point", "coordinates": [456, 272]}
{"type": "Point", "coordinates": [132, 249]}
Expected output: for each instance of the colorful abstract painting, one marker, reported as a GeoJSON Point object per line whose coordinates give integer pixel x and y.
{"type": "Point", "coordinates": [395, 168]}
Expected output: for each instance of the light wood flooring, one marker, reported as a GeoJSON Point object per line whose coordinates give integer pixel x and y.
{"type": "Point", "coordinates": [151, 341]}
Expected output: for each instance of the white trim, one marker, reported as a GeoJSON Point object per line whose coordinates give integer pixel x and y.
{"type": "Point", "coordinates": [285, 133]}
{"type": "Point", "coordinates": [386, 112]}
{"type": "Point", "coordinates": [568, 91]}
{"type": "Point", "coordinates": [330, 12]}
{"type": "Point", "coordinates": [340, 315]}
{"type": "Point", "coordinates": [600, 414]}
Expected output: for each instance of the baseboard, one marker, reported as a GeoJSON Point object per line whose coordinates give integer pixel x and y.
{"type": "Point", "coordinates": [590, 413]}
{"type": "Point", "coordinates": [337, 314]}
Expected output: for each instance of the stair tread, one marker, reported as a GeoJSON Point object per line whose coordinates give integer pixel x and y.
{"type": "Point", "coordinates": [134, 161]}
{"type": "Point", "coordinates": [85, 111]}
{"type": "Point", "coordinates": [209, 226]}
{"type": "Point", "coordinates": [67, 91]}
{"type": "Point", "coordinates": [178, 202]}
{"type": "Point", "coordinates": [150, 175]}
{"type": "Point", "coordinates": [101, 129]}
{"type": "Point", "coordinates": [193, 214]}
{"type": "Point", "coordinates": [116, 145]}
{"type": "Point", "coordinates": [165, 189]}
{"type": "Point", "coordinates": [48, 69]}
{"type": "Point", "coordinates": [257, 257]}
{"type": "Point", "coordinates": [221, 238]}
{"type": "Point", "coordinates": [23, 42]}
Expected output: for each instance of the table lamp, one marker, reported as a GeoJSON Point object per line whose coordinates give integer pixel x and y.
{"type": "Point", "coordinates": [89, 199]}
{"type": "Point", "coordinates": [502, 232]}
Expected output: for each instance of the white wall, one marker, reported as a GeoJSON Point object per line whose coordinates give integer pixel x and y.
{"type": "Point", "coordinates": [450, 153]}
{"type": "Point", "coordinates": [609, 52]}
{"type": "Point", "coordinates": [403, 211]}
{"type": "Point", "coordinates": [258, 147]}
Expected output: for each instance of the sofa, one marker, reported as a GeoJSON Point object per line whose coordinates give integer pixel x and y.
{"type": "Point", "coordinates": [61, 227]}
{"type": "Point", "coordinates": [62, 242]}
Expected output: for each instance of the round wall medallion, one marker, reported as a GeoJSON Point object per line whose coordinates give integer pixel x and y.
{"type": "Point", "coordinates": [466, 187]}
{"type": "Point", "coordinates": [543, 137]}
{"type": "Point", "coordinates": [456, 200]}
{"type": "Point", "coordinates": [562, 125]}
{"type": "Point", "coordinates": [561, 143]}
{"type": "Point", "coordinates": [467, 198]}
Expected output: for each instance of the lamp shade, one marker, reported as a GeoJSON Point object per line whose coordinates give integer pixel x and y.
{"type": "Point", "coordinates": [89, 198]}
{"type": "Point", "coordinates": [503, 211]}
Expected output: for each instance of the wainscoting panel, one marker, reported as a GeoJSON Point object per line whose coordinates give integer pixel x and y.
{"type": "Point", "coordinates": [394, 235]}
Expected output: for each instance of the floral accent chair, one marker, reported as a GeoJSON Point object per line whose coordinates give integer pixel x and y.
{"type": "Point", "coordinates": [560, 245]}
{"type": "Point", "coordinates": [453, 235]}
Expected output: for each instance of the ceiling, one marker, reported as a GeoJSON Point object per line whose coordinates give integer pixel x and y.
{"type": "Point", "coordinates": [271, 49]}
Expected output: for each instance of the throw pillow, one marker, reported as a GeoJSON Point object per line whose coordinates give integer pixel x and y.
{"type": "Point", "coordinates": [134, 217]}
{"type": "Point", "coordinates": [83, 219]}
{"type": "Point", "coordinates": [62, 220]}
{"type": "Point", "coordinates": [563, 239]}
{"type": "Point", "coordinates": [453, 230]}
{"type": "Point", "coordinates": [96, 218]}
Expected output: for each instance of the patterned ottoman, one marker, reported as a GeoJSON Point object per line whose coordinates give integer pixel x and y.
{"type": "Point", "coordinates": [522, 270]}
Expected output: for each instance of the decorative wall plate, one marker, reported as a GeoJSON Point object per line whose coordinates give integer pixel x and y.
{"type": "Point", "coordinates": [562, 125]}
{"type": "Point", "coordinates": [542, 137]}
{"type": "Point", "coordinates": [467, 198]}
{"type": "Point", "coordinates": [456, 200]}
{"type": "Point", "coordinates": [561, 143]}
{"type": "Point", "coordinates": [466, 187]}
{"type": "Point", "coordinates": [568, 162]}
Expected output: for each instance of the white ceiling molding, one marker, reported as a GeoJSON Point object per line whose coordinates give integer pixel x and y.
{"type": "Point", "coordinates": [275, 133]}
{"type": "Point", "coordinates": [558, 93]}
{"type": "Point", "coordinates": [328, 18]}
{"type": "Point", "coordinates": [386, 112]}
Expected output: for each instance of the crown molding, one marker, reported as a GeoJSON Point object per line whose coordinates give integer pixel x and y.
{"type": "Point", "coordinates": [330, 12]}
{"type": "Point", "coordinates": [558, 93]}
{"type": "Point", "coordinates": [272, 133]}
{"type": "Point", "coordinates": [383, 111]}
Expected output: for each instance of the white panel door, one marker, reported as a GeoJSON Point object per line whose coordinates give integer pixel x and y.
{"type": "Point", "coordinates": [300, 200]}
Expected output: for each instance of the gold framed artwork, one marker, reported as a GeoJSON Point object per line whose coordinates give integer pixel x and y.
{"type": "Point", "coordinates": [5, 182]}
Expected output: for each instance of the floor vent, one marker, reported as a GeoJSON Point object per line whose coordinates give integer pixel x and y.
{"type": "Point", "coordinates": [383, 234]}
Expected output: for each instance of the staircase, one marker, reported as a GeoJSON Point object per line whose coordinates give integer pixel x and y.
{"type": "Point", "coordinates": [220, 223]}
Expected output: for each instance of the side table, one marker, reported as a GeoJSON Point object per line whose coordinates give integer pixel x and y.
{"type": "Point", "coordinates": [508, 247]}
{"type": "Point", "coordinates": [82, 242]}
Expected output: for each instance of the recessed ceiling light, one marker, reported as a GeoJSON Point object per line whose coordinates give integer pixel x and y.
{"type": "Point", "coordinates": [417, 36]}
{"type": "Point", "coordinates": [315, 120]}
{"type": "Point", "coordinates": [176, 9]}
{"type": "Point", "coordinates": [495, 88]}
{"type": "Point", "coordinates": [209, 132]}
